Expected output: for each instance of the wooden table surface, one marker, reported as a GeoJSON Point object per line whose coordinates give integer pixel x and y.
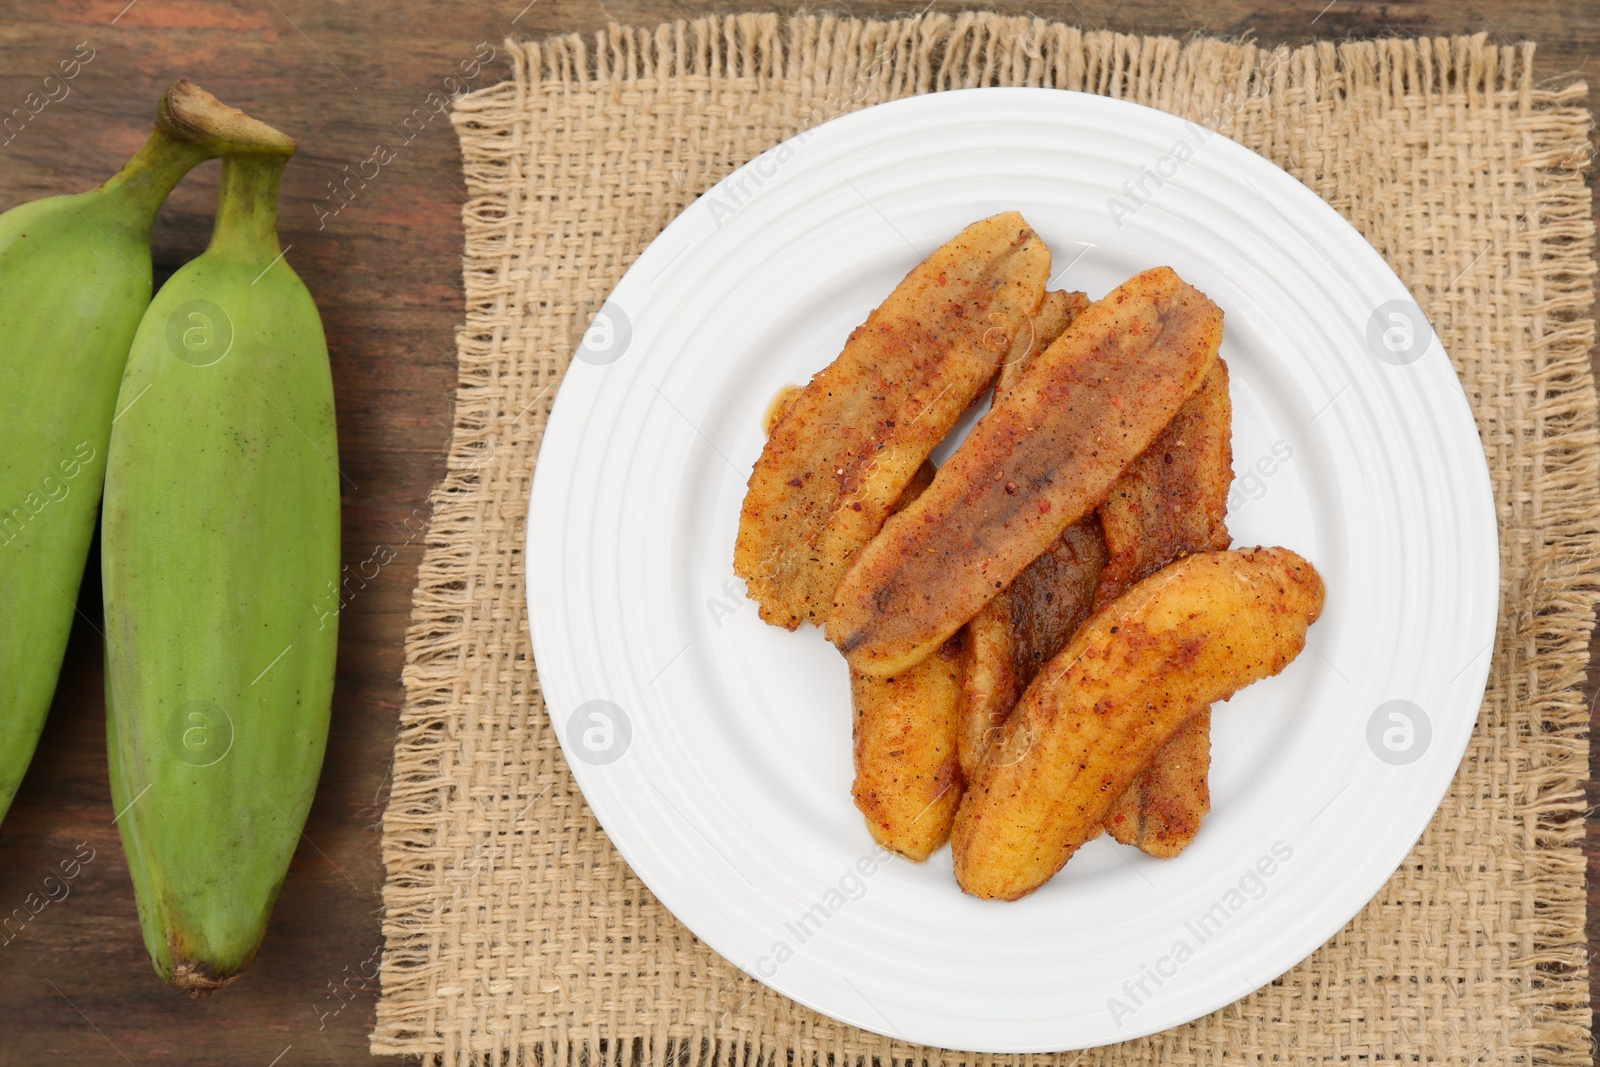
{"type": "Point", "coordinates": [75, 984]}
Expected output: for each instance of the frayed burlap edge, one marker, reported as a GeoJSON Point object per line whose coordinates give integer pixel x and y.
{"type": "Point", "coordinates": [1548, 529]}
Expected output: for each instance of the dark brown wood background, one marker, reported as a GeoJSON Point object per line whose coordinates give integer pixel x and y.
{"type": "Point", "coordinates": [340, 75]}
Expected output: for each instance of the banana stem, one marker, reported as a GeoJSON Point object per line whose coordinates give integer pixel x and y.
{"type": "Point", "coordinates": [247, 208]}
{"type": "Point", "coordinates": [191, 126]}
{"type": "Point", "coordinates": [147, 177]}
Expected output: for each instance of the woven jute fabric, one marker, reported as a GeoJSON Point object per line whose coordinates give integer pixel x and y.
{"type": "Point", "coordinates": [514, 932]}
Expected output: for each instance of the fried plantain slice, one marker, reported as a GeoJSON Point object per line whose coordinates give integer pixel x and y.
{"type": "Point", "coordinates": [1056, 312]}
{"type": "Point", "coordinates": [1173, 499]}
{"type": "Point", "coordinates": [908, 781]}
{"type": "Point", "coordinates": [1172, 502]}
{"type": "Point", "coordinates": [842, 449]}
{"type": "Point", "coordinates": [1022, 629]}
{"type": "Point", "coordinates": [1194, 632]}
{"type": "Point", "coordinates": [1160, 813]}
{"type": "Point", "coordinates": [1041, 459]}
{"type": "Point", "coordinates": [1029, 621]}
{"type": "Point", "coordinates": [908, 778]}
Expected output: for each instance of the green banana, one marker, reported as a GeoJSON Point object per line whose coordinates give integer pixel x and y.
{"type": "Point", "coordinates": [74, 281]}
{"type": "Point", "coordinates": [219, 548]}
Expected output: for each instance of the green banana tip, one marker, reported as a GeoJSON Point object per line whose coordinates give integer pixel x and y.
{"type": "Point", "coordinates": [192, 114]}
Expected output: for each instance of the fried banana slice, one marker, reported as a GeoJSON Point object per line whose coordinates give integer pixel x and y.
{"type": "Point", "coordinates": [908, 782]}
{"type": "Point", "coordinates": [1160, 813]}
{"type": "Point", "coordinates": [1172, 502]}
{"type": "Point", "coordinates": [843, 449]}
{"type": "Point", "coordinates": [1028, 622]}
{"type": "Point", "coordinates": [908, 778]}
{"type": "Point", "coordinates": [1192, 633]}
{"type": "Point", "coordinates": [1040, 460]}
{"type": "Point", "coordinates": [1055, 314]}
{"type": "Point", "coordinates": [1022, 629]}
{"type": "Point", "coordinates": [906, 733]}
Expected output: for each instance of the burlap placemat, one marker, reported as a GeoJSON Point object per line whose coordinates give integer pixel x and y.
{"type": "Point", "coordinates": [514, 932]}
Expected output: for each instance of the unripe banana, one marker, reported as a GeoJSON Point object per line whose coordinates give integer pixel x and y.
{"type": "Point", "coordinates": [74, 281]}
{"type": "Point", "coordinates": [220, 545]}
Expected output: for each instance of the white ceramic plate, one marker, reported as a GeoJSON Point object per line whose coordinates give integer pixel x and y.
{"type": "Point", "coordinates": [715, 750]}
